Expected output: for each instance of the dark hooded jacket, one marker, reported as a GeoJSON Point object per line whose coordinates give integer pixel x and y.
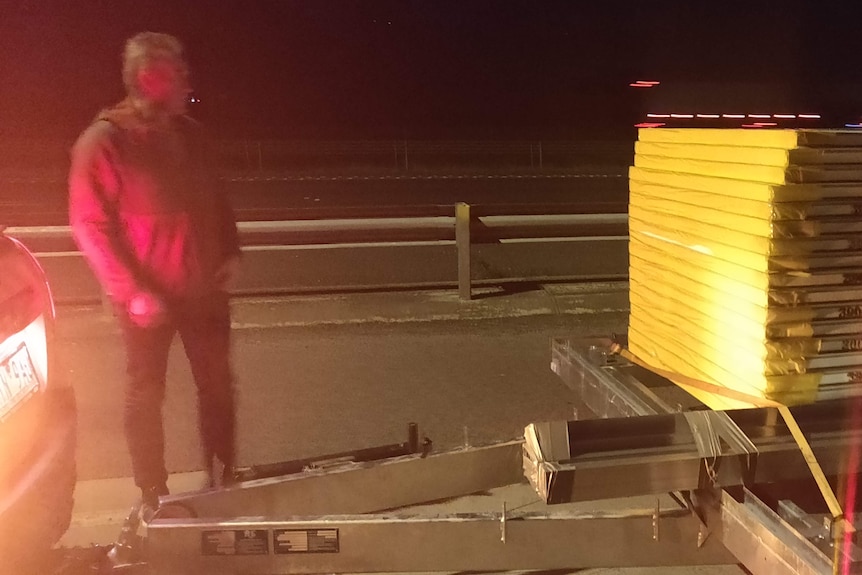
{"type": "Point", "coordinates": [146, 207]}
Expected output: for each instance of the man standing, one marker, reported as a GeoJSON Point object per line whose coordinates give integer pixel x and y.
{"type": "Point", "coordinates": [147, 212]}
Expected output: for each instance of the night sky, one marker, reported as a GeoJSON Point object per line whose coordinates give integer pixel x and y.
{"type": "Point", "coordinates": [422, 69]}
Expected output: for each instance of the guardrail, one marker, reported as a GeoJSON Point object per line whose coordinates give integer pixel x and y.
{"type": "Point", "coordinates": [463, 225]}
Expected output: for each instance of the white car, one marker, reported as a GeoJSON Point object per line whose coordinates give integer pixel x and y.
{"type": "Point", "coordinates": [37, 416]}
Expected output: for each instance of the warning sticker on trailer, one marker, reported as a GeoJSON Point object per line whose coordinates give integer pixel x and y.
{"type": "Point", "coordinates": [286, 541]}
{"type": "Point", "coordinates": [235, 542]}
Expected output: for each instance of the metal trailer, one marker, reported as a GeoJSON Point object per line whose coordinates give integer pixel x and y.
{"type": "Point", "coordinates": [723, 488]}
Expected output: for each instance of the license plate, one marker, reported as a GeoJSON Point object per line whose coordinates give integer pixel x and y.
{"type": "Point", "coordinates": [18, 380]}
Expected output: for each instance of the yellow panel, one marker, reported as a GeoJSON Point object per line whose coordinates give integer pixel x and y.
{"type": "Point", "coordinates": [696, 355]}
{"type": "Point", "coordinates": [824, 245]}
{"type": "Point", "coordinates": [783, 355]}
{"type": "Point", "coordinates": [725, 219]}
{"type": "Point", "coordinates": [750, 259]}
{"type": "Point", "coordinates": [752, 155]}
{"type": "Point", "coordinates": [700, 257]}
{"type": "Point", "coordinates": [752, 172]}
{"type": "Point", "coordinates": [719, 315]}
{"type": "Point", "coordinates": [646, 349]}
{"type": "Point", "coordinates": [840, 320]}
{"type": "Point", "coordinates": [787, 389]}
{"type": "Point", "coordinates": [784, 139]}
{"type": "Point", "coordinates": [744, 358]}
{"type": "Point", "coordinates": [734, 287]}
{"type": "Point", "coordinates": [721, 202]}
{"type": "Point", "coordinates": [701, 277]}
{"type": "Point", "coordinates": [748, 250]}
{"type": "Point", "coordinates": [777, 321]}
{"type": "Point", "coordinates": [748, 172]}
{"type": "Point", "coordinates": [736, 154]}
{"type": "Point", "coordinates": [740, 239]}
{"type": "Point", "coordinates": [757, 191]}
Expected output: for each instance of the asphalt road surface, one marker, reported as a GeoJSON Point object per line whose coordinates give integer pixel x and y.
{"type": "Point", "coordinates": [42, 202]}
{"type": "Point", "coordinates": [310, 391]}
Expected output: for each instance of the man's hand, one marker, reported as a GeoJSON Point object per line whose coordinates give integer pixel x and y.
{"type": "Point", "coordinates": [227, 274]}
{"type": "Point", "coordinates": [146, 310]}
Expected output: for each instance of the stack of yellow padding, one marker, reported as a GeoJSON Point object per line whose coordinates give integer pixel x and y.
{"type": "Point", "coordinates": [746, 261]}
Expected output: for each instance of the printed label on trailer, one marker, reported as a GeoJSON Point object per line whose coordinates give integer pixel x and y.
{"type": "Point", "coordinates": [235, 542]}
{"type": "Point", "coordinates": [286, 541]}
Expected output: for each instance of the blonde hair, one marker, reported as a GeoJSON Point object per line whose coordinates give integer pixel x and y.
{"type": "Point", "coordinates": [146, 47]}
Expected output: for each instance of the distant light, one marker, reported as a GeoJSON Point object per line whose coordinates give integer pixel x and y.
{"type": "Point", "coordinates": [853, 125]}
{"type": "Point", "coordinates": [755, 125]}
{"type": "Point", "coordinates": [737, 117]}
{"type": "Point", "coordinates": [649, 125]}
{"type": "Point", "coordinates": [644, 84]}
{"type": "Point", "coordinates": [765, 124]}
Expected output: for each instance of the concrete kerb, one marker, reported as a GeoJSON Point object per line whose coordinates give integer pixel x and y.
{"type": "Point", "coordinates": [391, 307]}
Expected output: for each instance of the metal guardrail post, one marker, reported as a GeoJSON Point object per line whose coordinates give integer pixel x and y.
{"type": "Point", "coordinates": [462, 241]}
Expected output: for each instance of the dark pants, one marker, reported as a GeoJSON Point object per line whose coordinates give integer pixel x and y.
{"type": "Point", "coordinates": [204, 328]}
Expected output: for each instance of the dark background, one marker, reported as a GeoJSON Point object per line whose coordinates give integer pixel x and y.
{"type": "Point", "coordinates": [426, 69]}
